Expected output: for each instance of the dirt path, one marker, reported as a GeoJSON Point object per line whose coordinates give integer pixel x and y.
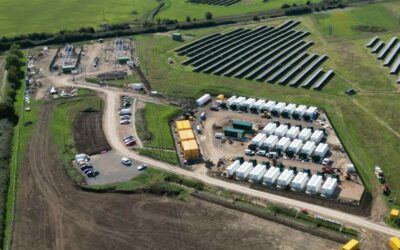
{"type": "Point", "coordinates": [111, 132]}
{"type": "Point", "coordinates": [53, 214]}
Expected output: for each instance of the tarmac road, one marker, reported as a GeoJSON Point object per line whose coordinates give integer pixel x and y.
{"type": "Point", "coordinates": [110, 129]}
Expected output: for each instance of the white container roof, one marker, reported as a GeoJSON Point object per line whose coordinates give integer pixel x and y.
{"type": "Point", "coordinates": [295, 145]}
{"type": "Point", "coordinates": [259, 138]}
{"type": "Point", "coordinates": [271, 141]}
{"type": "Point", "coordinates": [234, 165]}
{"type": "Point", "coordinates": [314, 181]}
{"type": "Point", "coordinates": [269, 105]}
{"type": "Point", "coordinates": [259, 103]}
{"type": "Point", "coordinates": [330, 183]}
{"type": "Point", "coordinates": [231, 100]}
{"type": "Point", "coordinates": [308, 148]}
{"type": "Point", "coordinates": [281, 130]}
{"type": "Point", "coordinates": [239, 100]}
{"type": "Point", "coordinates": [290, 108]}
{"type": "Point", "coordinates": [301, 109]}
{"type": "Point", "coordinates": [249, 102]}
{"type": "Point", "coordinates": [279, 107]}
{"type": "Point", "coordinates": [244, 167]}
{"type": "Point", "coordinates": [305, 134]}
{"type": "Point", "coordinates": [270, 128]}
{"type": "Point", "coordinates": [258, 169]}
{"type": "Point", "coordinates": [283, 143]}
{"type": "Point", "coordinates": [300, 178]}
{"type": "Point", "coordinates": [317, 136]}
{"type": "Point", "coordinates": [321, 149]}
{"type": "Point", "coordinates": [272, 172]}
{"type": "Point", "coordinates": [311, 110]}
{"type": "Point", "coordinates": [293, 132]}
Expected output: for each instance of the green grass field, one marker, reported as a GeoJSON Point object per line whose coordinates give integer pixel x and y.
{"type": "Point", "coordinates": [62, 127]}
{"type": "Point", "coordinates": [21, 17]}
{"type": "Point", "coordinates": [367, 140]}
{"type": "Point", "coordinates": [344, 23]}
{"type": "Point", "coordinates": [156, 122]}
{"type": "Point", "coordinates": [180, 9]}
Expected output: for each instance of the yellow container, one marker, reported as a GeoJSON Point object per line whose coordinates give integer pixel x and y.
{"type": "Point", "coordinates": [351, 245]}
{"type": "Point", "coordinates": [183, 125]}
{"type": "Point", "coordinates": [185, 135]}
{"type": "Point", "coordinates": [394, 243]}
{"type": "Point", "coordinates": [190, 150]}
{"type": "Point", "coordinates": [394, 213]}
{"type": "Point", "coordinates": [220, 97]}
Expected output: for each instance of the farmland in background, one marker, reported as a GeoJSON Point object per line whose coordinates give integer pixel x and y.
{"type": "Point", "coordinates": [22, 17]}
{"type": "Point", "coordinates": [366, 132]}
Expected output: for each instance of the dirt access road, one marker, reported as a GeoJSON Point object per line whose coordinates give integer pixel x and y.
{"type": "Point", "coordinates": [53, 214]}
{"type": "Point", "coordinates": [110, 123]}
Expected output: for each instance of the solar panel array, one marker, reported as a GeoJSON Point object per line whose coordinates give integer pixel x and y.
{"type": "Point", "coordinates": [215, 2]}
{"type": "Point", "coordinates": [267, 54]}
{"type": "Point", "coordinates": [389, 53]}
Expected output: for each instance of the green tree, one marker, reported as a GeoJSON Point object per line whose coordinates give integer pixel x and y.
{"type": "Point", "coordinates": [209, 15]}
{"type": "Point", "coordinates": [13, 60]}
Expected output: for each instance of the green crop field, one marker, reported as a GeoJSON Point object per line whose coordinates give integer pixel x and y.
{"type": "Point", "coordinates": [347, 22]}
{"type": "Point", "coordinates": [368, 134]}
{"type": "Point", "coordinates": [21, 17]}
{"type": "Point", "coordinates": [180, 9]}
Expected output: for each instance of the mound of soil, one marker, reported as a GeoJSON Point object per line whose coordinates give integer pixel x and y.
{"type": "Point", "coordinates": [88, 133]}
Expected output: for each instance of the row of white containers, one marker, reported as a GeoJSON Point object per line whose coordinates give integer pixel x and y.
{"type": "Point", "coordinates": [298, 182]}
{"type": "Point", "coordinates": [272, 106]}
{"type": "Point", "coordinates": [293, 132]}
{"type": "Point", "coordinates": [285, 144]}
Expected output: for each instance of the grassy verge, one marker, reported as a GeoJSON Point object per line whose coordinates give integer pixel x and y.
{"type": "Point", "coordinates": [162, 155]}
{"type": "Point", "coordinates": [62, 127]}
{"type": "Point", "coordinates": [116, 83]}
{"type": "Point", "coordinates": [152, 124]}
{"type": "Point", "coordinates": [155, 181]}
{"type": "Point", "coordinates": [22, 133]}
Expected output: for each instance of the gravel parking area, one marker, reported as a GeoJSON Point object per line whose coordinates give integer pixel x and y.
{"type": "Point", "coordinates": [111, 169]}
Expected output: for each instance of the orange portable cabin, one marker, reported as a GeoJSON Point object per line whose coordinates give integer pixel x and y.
{"type": "Point", "coordinates": [185, 135]}
{"type": "Point", "coordinates": [183, 125]}
{"type": "Point", "coordinates": [190, 150]}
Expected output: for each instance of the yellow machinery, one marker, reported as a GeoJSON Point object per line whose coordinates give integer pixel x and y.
{"type": "Point", "coordinates": [351, 245]}
{"type": "Point", "coordinates": [394, 213]}
{"type": "Point", "coordinates": [394, 243]}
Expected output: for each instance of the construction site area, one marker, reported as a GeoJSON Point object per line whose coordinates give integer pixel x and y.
{"type": "Point", "coordinates": [271, 144]}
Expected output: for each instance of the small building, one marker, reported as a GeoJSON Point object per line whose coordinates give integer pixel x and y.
{"type": "Point", "coordinates": [285, 178]}
{"type": "Point", "coordinates": [231, 169]}
{"type": "Point", "coordinates": [231, 100]}
{"type": "Point", "coordinates": [269, 129]}
{"type": "Point", "coordinates": [314, 184]}
{"type": "Point", "coordinates": [237, 103]}
{"type": "Point", "coordinates": [394, 213]}
{"type": "Point", "coordinates": [256, 107]}
{"type": "Point", "coordinates": [246, 126]}
{"type": "Point", "coordinates": [234, 133]}
{"type": "Point", "coordinates": [394, 243]}
{"type": "Point", "coordinates": [203, 100]}
{"type": "Point", "coordinates": [321, 150]}
{"type": "Point", "coordinates": [244, 170]}
{"type": "Point", "coordinates": [308, 148]}
{"type": "Point", "coordinates": [177, 36]}
{"type": "Point", "coordinates": [281, 130]}
{"type": "Point", "coordinates": [258, 140]}
{"type": "Point", "coordinates": [270, 177]}
{"type": "Point", "coordinates": [329, 187]}
{"type": "Point", "coordinates": [123, 59]}
{"type": "Point", "coordinates": [278, 108]}
{"type": "Point", "coordinates": [295, 146]}
{"type": "Point", "coordinates": [67, 69]}
{"type": "Point", "coordinates": [317, 136]}
{"type": "Point", "coordinates": [268, 107]}
{"type": "Point", "coordinates": [305, 134]}
{"type": "Point", "coordinates": [190, 150]}
{"type": "Point", "coordinates": [311, 113]}
{"type": "Point", "coordinates": [293, 132]}
{"type": "Point", "coordinates": [245, 106]}
{"type": "Point", "coordinates": [299, 182]}
{"type": "Point", "coordinates": [283, 144]}
{"type": "Point", "coordinates": [351, 245]}
{"type": "Point", "coordinates": [270, 142]}
{"type": "Point", "coordinates": [288, 110]}
{"type": "Point", "coordinates": [183, 125]}
{"type": "Point", "coordinates": [299, 112]}
{"type": "Point", "coordinates": [185, 135]}
{"type": "Point", "coordinates": [257, 173]}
